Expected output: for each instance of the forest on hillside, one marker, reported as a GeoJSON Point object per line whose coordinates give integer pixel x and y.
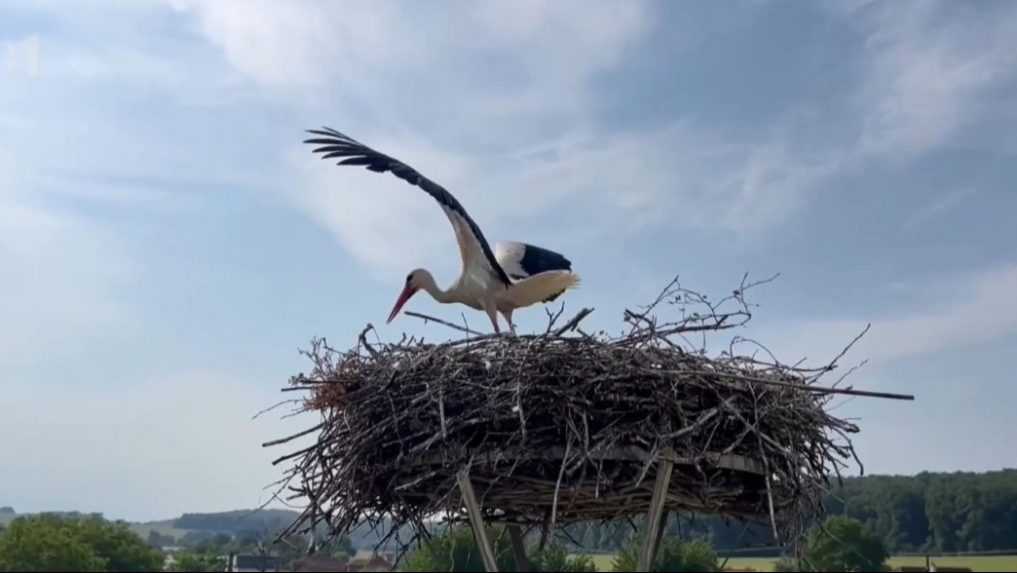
{"type": "Point", "coordinates": [942, 512]}
{"type": "Point", "coordinates": [946, 512]}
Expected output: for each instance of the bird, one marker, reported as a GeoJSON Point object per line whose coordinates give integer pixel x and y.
{"type": "Point", "coordinates": [510, 276]}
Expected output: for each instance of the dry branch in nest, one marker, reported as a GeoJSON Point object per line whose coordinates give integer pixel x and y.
{"type": "Point", "coordinates": [566, 426]}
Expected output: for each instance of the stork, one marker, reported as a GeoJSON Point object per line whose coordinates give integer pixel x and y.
{"type": "Point", "coordinates": [512, 275]}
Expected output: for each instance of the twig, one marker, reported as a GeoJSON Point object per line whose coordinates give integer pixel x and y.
{"type": "Point", "coordinates": [427, 318]}
{"type": "Point", "coordinates": [574, 322]}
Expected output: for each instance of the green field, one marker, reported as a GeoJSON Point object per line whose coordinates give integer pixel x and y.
{"type": "Point", "coordinates": [989, 563]}
{"type": "Point", "coordinates": [986, 563]}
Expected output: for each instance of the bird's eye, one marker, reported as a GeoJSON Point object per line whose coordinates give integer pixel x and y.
{"type": "Point", "coordinates": [408, 277]}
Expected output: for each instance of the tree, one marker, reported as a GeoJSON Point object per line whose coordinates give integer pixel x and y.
{"type": "Point", "coordinates": [54, 543]}
{"type": "Point", "coordinates": [41, 543]}
{"type": "Point", "coordinates": [843, 544]}
{"type": "Point", "coordinates": [673, 555]}
{"type": "Point", "coordinates": [457, 550]}
{"type": "Point", "coordinates": [157, 540]}
{"type": "Point", "coordinates": [121, 548]}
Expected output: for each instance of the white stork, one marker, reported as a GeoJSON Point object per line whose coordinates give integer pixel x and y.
{"type": "Point", "coordinates": [513, 275]}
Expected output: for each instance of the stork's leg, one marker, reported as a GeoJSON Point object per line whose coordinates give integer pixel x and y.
{"type": "Point", "coordinates": [508, 318]}
{"type": "Point", "coordinates": [492, 313]}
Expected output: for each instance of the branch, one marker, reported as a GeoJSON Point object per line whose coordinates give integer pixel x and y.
{"type": "Point", "coordinates": [574, 322]}
{"type": "Point", "coordinates": [427, 318]}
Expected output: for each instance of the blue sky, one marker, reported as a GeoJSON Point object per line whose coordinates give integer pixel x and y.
{"type": "Point", "coordinates": [167, 244]}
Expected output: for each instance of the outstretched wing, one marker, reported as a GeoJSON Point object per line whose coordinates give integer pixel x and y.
{"type": "Point", "coordinates": [521, 260]}
{"type": "Point", "coordinates": [541, 287]}
{"type": "Point", "coordinates": [473, 247]}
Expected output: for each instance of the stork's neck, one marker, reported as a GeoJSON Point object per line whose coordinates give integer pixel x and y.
{"type": "Point", "coordinates": [436, 292]}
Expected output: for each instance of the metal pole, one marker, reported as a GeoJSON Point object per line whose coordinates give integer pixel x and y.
{"type": "Point", "coordinates": [476, 520]}
{"type": "Point", "coordinates": [653, 526]}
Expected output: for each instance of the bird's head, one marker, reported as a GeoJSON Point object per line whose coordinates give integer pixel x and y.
{"type": "Point", "coordinates": [416, 280]}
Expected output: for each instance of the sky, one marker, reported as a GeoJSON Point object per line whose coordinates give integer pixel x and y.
{"type": "Point", "coordinates": [168, 244]}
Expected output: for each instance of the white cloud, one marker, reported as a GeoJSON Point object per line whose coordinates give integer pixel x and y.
{"type": "Point", "coordinates": [21, 57]}
{"type": "Point", "coordinates": [411, 65]}
{"type": "Point", "coordinates": [684, 174]}
{"type": "Point", "coordinates": [61, 273]}
{"type": "Point", "coordinates": [537, 107]}
{"type": "Point", "coordinates": [311, 42]}
{"type": "Point", "coordinates": [429, 72]}
{"type": "Point", "coordinates": [927, 68]}
{"type": "Point", "coordinates": [61, 280]}
{"type": "Point", "coordinates": [980, 307]}
{"type": "Point", "coordinates": [143, 449]}
{"type": "Point", "coordinates": [407, 67]}
{"type": "Point", "coordinates": [381, 220]}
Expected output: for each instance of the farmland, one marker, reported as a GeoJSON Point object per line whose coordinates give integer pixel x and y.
{"type": "Point", "coordinates": [975, 563]}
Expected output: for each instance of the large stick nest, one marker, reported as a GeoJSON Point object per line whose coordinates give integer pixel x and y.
{"type": "Point", "coordinates": [566, 426]}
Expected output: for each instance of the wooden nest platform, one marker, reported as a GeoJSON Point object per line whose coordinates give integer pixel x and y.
{"type": "Point", "coordinates": [566, 426]}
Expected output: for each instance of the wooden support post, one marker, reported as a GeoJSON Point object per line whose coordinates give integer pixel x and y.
{"type": "Point", "coordinates": [545, 531]}
{"type": "Point", "coordinates": [660, 534]}
{"type": "Point", "coordinates": [476, 520]}
{"type": "Point", "coordinates": [518, 548]}
{"type": "Point", "coordinates": [653, 519]}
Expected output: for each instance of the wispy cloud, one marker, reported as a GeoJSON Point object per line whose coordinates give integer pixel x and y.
{"type": "Point", "coordinates": [928, 66]}
{"type": "Point", "coordinates": [62, 275]}
{"type": "Point", "coordinates": [937, 207]}
{"type": "Point", "coordinates": [383, 56]}
{"type": "Point", "coordinates": [383, 222]}
{"type": "Point", "coordinates": [62, 271]}
{"type": "Point", "coordinates": [189, 434]}
{"type": "Point", "coordinates": [22, 57]}
{"type": "Point", "coordinates": [394, 61]}
{"type": "Point", "coordinates": [919, 78]}
{"type": "Point", "coordinates": [980, 307]}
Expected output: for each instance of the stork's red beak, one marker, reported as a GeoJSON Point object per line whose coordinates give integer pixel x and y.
{"type": "Point", "coordinates": [403, 297]}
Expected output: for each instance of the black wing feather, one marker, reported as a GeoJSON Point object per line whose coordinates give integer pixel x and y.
{"type": "Point", "coordinates": [537, 260]}
{"type": "Point", "coordinates": [336, 144]}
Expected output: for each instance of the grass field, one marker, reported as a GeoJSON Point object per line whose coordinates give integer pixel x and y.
{"type": "Point", "coordinates": [989, 563]}
{"type": "Point", "coordinates": [986, 563]}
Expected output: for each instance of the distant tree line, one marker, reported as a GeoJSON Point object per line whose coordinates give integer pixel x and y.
{"type": "Point", "coordinates": [237, 522]}
{"type": "Point", "coordinates": [51, 542]}
{"type": "Point", "coordinates": [841, 544]}
{"type": "Point", "coordinates": [942, 512]}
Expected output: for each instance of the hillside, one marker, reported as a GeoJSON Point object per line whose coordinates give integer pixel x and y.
{"type": "Point", "coordinates": [191, 528]}
{"type": "Point", "coordinates": [940, 511]}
